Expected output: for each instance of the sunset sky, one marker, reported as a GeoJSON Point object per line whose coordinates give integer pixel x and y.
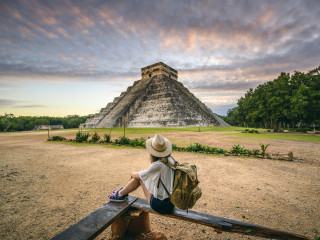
{"type": "Point", "coordinates": [64, 57]}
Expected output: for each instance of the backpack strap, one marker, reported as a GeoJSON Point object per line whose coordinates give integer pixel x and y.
{"type": "Point", "coordinates": [163, 186]}
{"type": "Point", "coordinates": [171, 163]}
{"type": "Point", "coordinates": [178, 181]}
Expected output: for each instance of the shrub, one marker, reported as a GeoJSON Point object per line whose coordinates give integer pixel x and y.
{"type": "Point", "coordinates": [250, 131]}
{"type": "Point", "coordinates": [196, 147]}
{"type": "Point", "coordinates": [303, 130]}
{"type": "Point", "coordinates": [138, 142]}
{"type": "Point", "coordinates": [263, 148]}
{"type": "Point", "coordinates": [255, 152]}
{"type": "Point", "coordinates": [95, 137]}
{"type": "Point", "coordinates": [253, 131]}
{"type": "Point", "coordinates": [220, 150]}
{"type": "Point", "coordinates": [175, 147]}
{"type": "Point", "coordinates": [107, 138]}
{"type": "Point", "coordinates": [122, 141]}
{"type": "Point", "coordinates": [237, 149]}
{"type": "Point", "coordinates": [82, 137]}
{"type": "Point", "coordinates": [57, 138]}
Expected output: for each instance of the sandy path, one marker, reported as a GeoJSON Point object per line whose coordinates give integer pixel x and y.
{"type": "Point", "coordinates": [47, 187]}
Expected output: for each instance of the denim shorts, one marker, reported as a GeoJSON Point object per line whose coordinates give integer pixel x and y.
{"type": "Point", "coordinates": [161, 206]}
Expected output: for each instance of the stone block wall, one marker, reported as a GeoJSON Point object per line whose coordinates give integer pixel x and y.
{"type": "Point", "coordinates": [47, 127]}
{"type": "Point", "coordinates": [157, 69]}
{"type": "Point", "coordinates": [158, 101]}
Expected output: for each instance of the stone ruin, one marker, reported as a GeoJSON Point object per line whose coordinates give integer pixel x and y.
{"type": "Point", "coordinates": [157, 100]}
{"type": "Point", "coordinates": [47, 127]}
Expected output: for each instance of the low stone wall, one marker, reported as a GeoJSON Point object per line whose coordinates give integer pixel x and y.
{"type": "Point", "coordinates": [47, 127]}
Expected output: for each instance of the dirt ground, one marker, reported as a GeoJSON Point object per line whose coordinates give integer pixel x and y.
{"type": "Point", "coordinates": [46, 187]}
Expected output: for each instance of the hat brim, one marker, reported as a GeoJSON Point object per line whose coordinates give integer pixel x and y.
{"type": "Point", "coordinates": [156, 153]}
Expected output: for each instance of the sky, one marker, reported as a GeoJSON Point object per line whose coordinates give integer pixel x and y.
{"type": "Point", "coordinates": [66, 57]}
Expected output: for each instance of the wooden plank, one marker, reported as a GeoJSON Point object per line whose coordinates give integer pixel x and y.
{"type": "Point", "coordinates": [222, 224]}
{"type": "Point", "coordinates": [97, 221]}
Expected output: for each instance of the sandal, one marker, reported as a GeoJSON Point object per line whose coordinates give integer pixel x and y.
{"type": "Point", "coordinates": [114, 197]}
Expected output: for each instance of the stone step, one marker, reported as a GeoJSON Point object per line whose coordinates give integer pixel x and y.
{"type": "Point", "coordinates": [115, 113]}
{"type": "Point", "coordinates": [156, 101]}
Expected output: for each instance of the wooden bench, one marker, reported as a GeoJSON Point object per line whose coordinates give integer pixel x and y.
{"type": "Point", "coordinates": [97, 221]}
{"type": "Point", "coordinates": [92, 225]}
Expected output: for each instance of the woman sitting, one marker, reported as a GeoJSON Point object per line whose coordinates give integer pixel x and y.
{"type": "Point", "coordinates": [158, 172]}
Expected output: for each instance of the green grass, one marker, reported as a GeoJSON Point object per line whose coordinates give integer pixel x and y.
{"type": "Point", "coordinates": [233, 132]}
{"type": "Point", "coordinates": [75, 144]}
{"type": "Point", "coordinates": [151, 131]}
{"type": "Point", "coordinates": [86, 144]}
{"type": "Point", "coordinates": [83, 144]}
{"type": "Point", "coordinates": [284, 136]}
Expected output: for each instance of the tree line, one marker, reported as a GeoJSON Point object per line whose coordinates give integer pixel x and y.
{"type": "Point", "coordinates": [9, 122]}
{"type": "Point", "coordinates": [288, 101]}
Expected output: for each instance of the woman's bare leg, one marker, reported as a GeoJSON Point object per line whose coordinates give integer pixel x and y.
{"type": "Point", "coordinates": [132, 185]}
{"type": "Point", "coordinates": [145, 191]}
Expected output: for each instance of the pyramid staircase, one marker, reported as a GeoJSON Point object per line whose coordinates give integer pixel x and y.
{"type": "Point", "coordinates": [158, 101]}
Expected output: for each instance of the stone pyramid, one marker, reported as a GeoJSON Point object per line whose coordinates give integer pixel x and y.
{"type": "Point", "coordinates": [157, 100]}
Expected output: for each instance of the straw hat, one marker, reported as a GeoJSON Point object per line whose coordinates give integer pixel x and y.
{"type": "Point", "coordinates": [159, 146]}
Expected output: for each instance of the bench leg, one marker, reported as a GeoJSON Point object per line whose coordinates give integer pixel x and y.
{"type": "Point", "coordinates": [130, 225]}
{"type": "Point", "coordinates": [139, 224]}
{"type": "Point", "coordinates": [119, 228]}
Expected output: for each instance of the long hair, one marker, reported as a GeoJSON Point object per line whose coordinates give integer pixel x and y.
{"type": "Point", "coordinates": [154, 159]}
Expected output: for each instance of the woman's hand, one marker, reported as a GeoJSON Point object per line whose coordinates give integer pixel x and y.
{"type": "Point", "coordinates": [135, 175]}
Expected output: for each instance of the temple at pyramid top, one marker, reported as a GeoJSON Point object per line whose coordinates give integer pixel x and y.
{"type": "Point", "coordinates": [157, 69]}
{"type": "Point", "coordinates": [156, 100]}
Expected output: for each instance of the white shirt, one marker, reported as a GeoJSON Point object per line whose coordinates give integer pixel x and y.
{"type": "Point", "coordinates": [150, 178]}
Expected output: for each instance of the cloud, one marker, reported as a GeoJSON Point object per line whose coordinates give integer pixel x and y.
{"type": "Point", "coordinates": [219, 100]}
{"type": "Point", "coordinates": [49, 20]}
{"type": "Point", "coordinates": [198, 34]}
{"type": "Point", "coordinates": [31, 106]}
{"type": "Point", "coordinates": [218, 45]}
{"type": "Point", "coordinates": [63, 57]}
{"type": "Point", "coordinates": [85, 31]}
{"type": "Point", "coordinates": [221, 108]}
{"type": "Point", "coordinates": [7, 103]}
{"type": "Point", "coordinates": [63, 32]}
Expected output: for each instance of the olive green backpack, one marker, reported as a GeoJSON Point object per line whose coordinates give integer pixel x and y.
{"type": "Point", "coordinates": [185, 191]}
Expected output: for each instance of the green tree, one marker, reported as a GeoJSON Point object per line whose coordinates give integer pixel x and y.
{"type": "Point", "coordinates": [9, 122]}
{"type": "Point", "coordinates": [286, 100]}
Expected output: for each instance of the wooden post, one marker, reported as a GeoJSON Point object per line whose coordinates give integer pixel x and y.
{"type": "Point", "coordinates": [131, 225]}
{"type": "Point", "coordinates": [124, 128]}
{"type": "Point", "coordinates": [48, 132]}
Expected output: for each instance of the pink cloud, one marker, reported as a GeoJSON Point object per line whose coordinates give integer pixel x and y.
{"type": "Point", "coordinates": [26, 32]}
{"type": "Point", "coordinates": [17, 15]}
{"type": "Point", "coordinates": [63, 57]}
{"type": "Point", "coordinates": [85, 31]}
{"type": "Point", "coordinates": [63, 32]}
{"type": "Point", "coordinates": [42, 30]}
{"type": "Point", "coordinates": [81, 18]}
{"type": "Point", "coordinates": [49, 20]}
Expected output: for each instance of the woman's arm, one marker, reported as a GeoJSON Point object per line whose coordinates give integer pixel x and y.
{"type": "Point", "coordinates": [135, 175]}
